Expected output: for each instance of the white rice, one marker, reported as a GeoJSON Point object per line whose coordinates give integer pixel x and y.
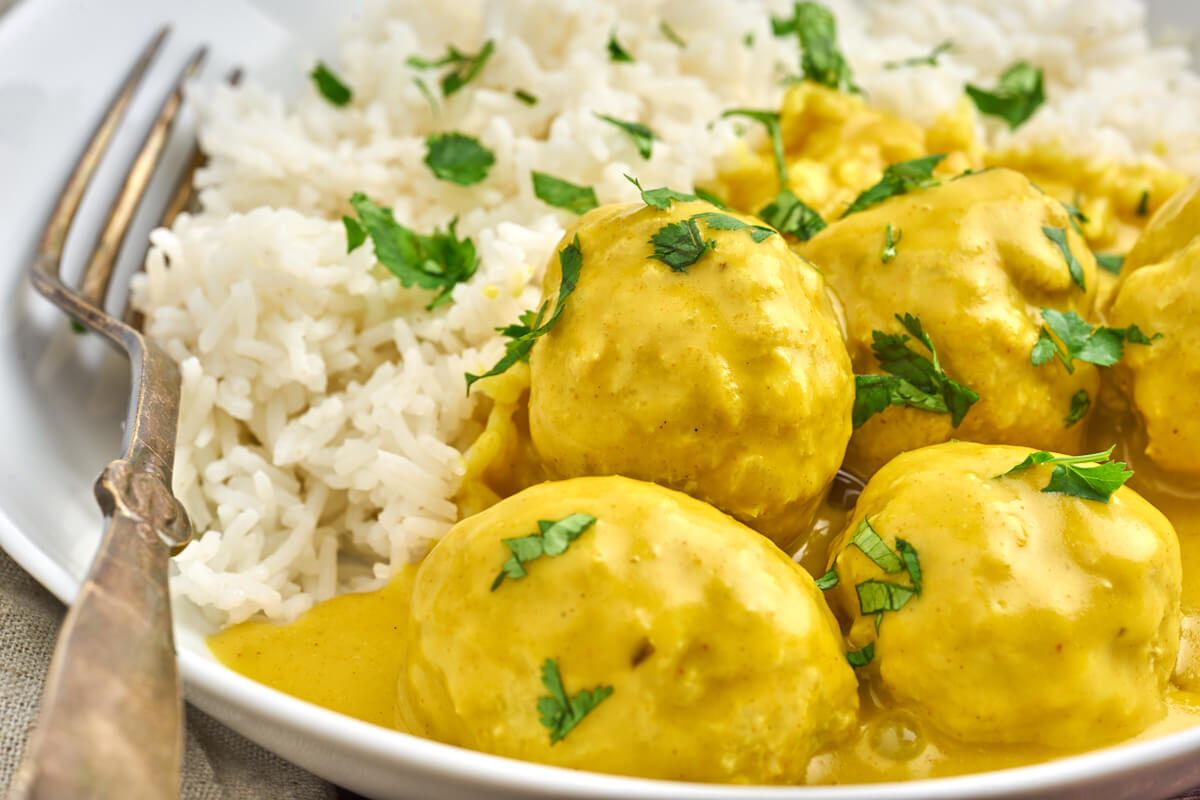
{"type": "Point", "coordinates": [324, 412]}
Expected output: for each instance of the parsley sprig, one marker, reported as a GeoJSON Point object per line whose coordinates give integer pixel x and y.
{"type": "Point", "coordinates": [531, 327]}
{"type": "Point", "coordinates": [552, 539]}
{"type": "Point", "coordinates": [330, 85]}
{"type": "Point", "coordinates": [1075, 340]}
{"type": "Point", "coordinates": [1018, 94]}
{"type": "Point", "coordinates": [1091, 476]}
{"type": "Point", "coordinates": [680, 244]}
{"type": "Point", "coordinates": [438, 262]}
{"type": "Point", "coordinates": [463, 66]}
{"type": "Point", "coordinates": [912, 379]}
{"type": "Point", "coordinates": [560, 713]}
{"type": "Point", "coordinates": [897, 179]}
{"type": "Point", "coordinates": [821, 61]}
{"type": "Point", "coordinates": [457, 158]}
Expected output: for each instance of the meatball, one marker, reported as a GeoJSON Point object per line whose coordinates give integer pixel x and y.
{"type": "Point", "coordinates": [975, 264]}
{"type": "Point", "coordinates": [727, 380]}
{"type": "Point", "coordinates": [1163, 296]}
{"type": "Point", "coordinates": [723, 660]}
{"type": "Point", "coordinates": [1043, 618]}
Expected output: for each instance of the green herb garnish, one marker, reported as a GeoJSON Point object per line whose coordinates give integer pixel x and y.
{"type": "Point", "coordinates": [1143, 206]}
{"type": "Point", "coordinates": [771, 120]}
{"type": "Point", "coordinates": [1091, 476]}
{"type": "Point", "coordinates": [1059, 237]}
{"type": "Point", "coordinates": [820, 61]}
{"type": "Point", "coordinates": [1110, 263]}
{"type": "Point", "coordinates": [680, 244]}
{"type": "Point", "coordinates": [912, 564]}
{"type": "Point", "coordinates": [1076, 217]}
{"type": "Point", "coordinates": [428, 95]}
{"type": "Point", "coordinates": [552, 539]}
{"type": "Point", "coordinates": [748, 40]}
{"type": "Point", "coordinates": [530, 328]}
{"type": "Point", "coordinates": [643, 137]}
{"type": "Point", "coordinates": [457, 158]}
{"type": "Point", "coordinates": [860, 658]}
{"type": "Point", "coordinates": [559, 713]}
{"type": "Point", "coordinates": [878, 596]}
{"type": "Point", "coordinates": [1101, 346]}
{"type": "Point", "coordinates": [671, 36]}
{"type": "Point", "coordinates": [925, 60]}
{"type": "Point", "coordinates": [710, 198]}
{"type": "Point", "coordinates": [330, 86]}
{"type": "Point", "coordinates": [1018, 94]}
{"type": "Point", "coordinates": [464, 66]}
{"type": "Point", "coordinates": [912, 380]}
{"type": "Point", "coordinates": [1080, 403]}
{"type": "Point", "coordinates": [660, 198]}
{"type": "Point", "coordinates": [525, 97]}
{"type": "Point", "coordinates": [723, 222]}
{"type": "Point", "coordinates": [439, 261]}
{"type": "Point", "coordinates": [787, 213]}
{"type": "Point", "coordinates": [828, 580]}
{"type": "Point", "coordinates": [615, 51]}
{"type": "Point", "coordinates": [563, 194]}
{"type": "Point", "coordinates": [78, 328]}
{"type": "Point", "coordinates": [897, 179]}
{"type": "Point", "coordinates": [890, 238]}
{"type": "Point", "coordinates": [872, 545]}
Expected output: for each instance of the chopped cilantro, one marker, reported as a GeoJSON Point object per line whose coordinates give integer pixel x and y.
{"type": "Point", "coordinates": [78, 328]}
{"type": "Point", "coordinates": [897, 179]}
{"type": "Point", "coordinates": [926, 60]}
{"type": "Point", "coordinates": [1059, 237]}
{"type": "Point", "coordinates": [828, 580]}
{"type": "Point", "coordinates": [660, 198]}
{"type": "Point", "coordinates": [912, 380]}
{"type": "Point", "coordinates": [559, 713]}
{"type": "Point", "coordinates": [330, 86]}
{"type": "Point", "coordinates": [457, 158]}
{"type": "Point", "coordinates": [671, 36]}
{"type": "Point", "coordinates": [723, 222]}
{"type": "Point", "coordinates": [531, 327]}
{"type": "Point", "coordinates": [1018, 94]}
{"type": "Point", "coordinates": [680, 244]}
{"type": "Point", "coordinates": [463, 66]}
{"type": "Point", "coordinates": [860, 658]}
{"type": "Point", "coordinates": [876, 596]}
{"type": "Point", "coordinates": [820, 61]}
{"type": "Point", "coordinates": [437, 262]}
{"type": "Point", "coordinates": [869, 542]}
{"type": "Point", "coordinates": [748, 40]}
{"type": "Point", "coordinates": [710, 198]}
{"type": "Point", "coordinates": [1076, 217]}
{"type": "Point", "coordinates": [525, 97]}
{"type": "Point", "coordinates": [563, 194]}
{"type": "Point", "coordinates": [552, 539]}
{"type": "Point", "coordinates": [643, 137]}
{"type": "Point", "coordinates": [912, 564]}
{"type": "Point", "coordinates": [891, 237]}
{"type": "Point", "coordinates": [1101, 346]}
{"type": "Point", "coordinates": [428, 95]}
{"type": "Point", "coordinates": [1080, 403]}
{"type": "Point", "coordinates": [1143, 206]}
{"type": "Point", "coordinates": [787, 213]}
{"type": "Point", "coordinates": [615, 51]}
{"type": "Point", "coordinates": [1110, 263]}
{"type": "Point", "coordinates": [1091, 476]}
{"type": "Point", "coordinates": [771, 120]}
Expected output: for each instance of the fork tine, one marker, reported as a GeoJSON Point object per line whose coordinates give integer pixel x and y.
{"type": "Point", "coordinates": [98, 274]}
{"type": "Point", "coordinates": [55, 236]}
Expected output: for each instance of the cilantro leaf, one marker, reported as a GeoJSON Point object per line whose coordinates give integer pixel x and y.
{"type": "Point", "coordinates": [926, 60]}
{"type": "Point", "coordinates": [563, 194]}
{"type": "Point", "coordinates": [897, 179]}
{"type": "Point", "coordinates": [643, 137]}
{"type": "Point", "coordinates": [525, 333]}
{"type": "Point", "coordinates": [1080, 403]}
{"type": "Point", "coordinates": [525, 97]}
{"type": "Point", "coordinates": [1111, 263]}
{"type": "Point", "coordinates": [1080, 341]}
{"type": "Point", "coordinates": [876, 596]}
{"type": "Point", "coordinates": [671, 36]}
{"type": "Point", "coordinates": [437, 262]}
{"type": "Point", "coordinates": [1018, 94]}
{"type": "Point", "coordinates": [711, 199]}
{"type": "Point", "coordinates": [428, 95]}
{"type": "Point", "coordinates": [552, 540]}
{"type": "Point", "coordinates": [457, 158]}
{"type": "Point", "coordinates": [771, 120]}
{"type": "Point", "coordinates": [561, 714]}
{"type": "Point", "coordinates": [869, 542]}
{"type": "Point", "coordinates": [330, 86]}
{"type": "Point", "coordinates": [821, 61]}
{"type": "Point", "coordinates": [1075, 217]}
{"type": "Point", "coordinates": [680, 244]}
{"type": "Point", "coordinates": [787, 213]}
{"type": "Point", "coordinates": [912, 380]}
{"type": "Point", "coordinates": [1143, 206]}
{"type": "Point", "coordinates": [660, 198]}
{"type": "Point", "coordinates": [890, 240]}
{"type": "Point", "coordinates": [723, 222]}
{"type": "Point", "coordinates": [828, 580]}
{"type": "Point", "coordinates": [1091, 476]}
{"type": "Point", "coordinates": [860, 658]}
{"type": "Point", "coordinates": [464, 66]}
{"type": "Point", "coordinates": [1059, 237]}
{"type": "Point", "coordinates": [615, 51]}
{"type": "Point", "coordinates": [912, 564]}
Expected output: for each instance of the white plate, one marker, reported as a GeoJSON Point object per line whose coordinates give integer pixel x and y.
{"type": "Point", "coordinates": [62, 401]}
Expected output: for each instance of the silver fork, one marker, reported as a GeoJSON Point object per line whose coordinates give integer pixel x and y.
{"type": "Point", "coordinates": [111, 719]}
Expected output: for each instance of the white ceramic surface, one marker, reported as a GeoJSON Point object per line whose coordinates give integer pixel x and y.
{"type": "Point", "coordinates": [62, 403]}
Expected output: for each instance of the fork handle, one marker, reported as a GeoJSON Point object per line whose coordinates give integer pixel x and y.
{"type": "Point", "coordinates": [111, 714]}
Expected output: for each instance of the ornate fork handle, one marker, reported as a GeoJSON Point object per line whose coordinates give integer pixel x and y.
{"type": "Point", "coordinates": [101, 734]}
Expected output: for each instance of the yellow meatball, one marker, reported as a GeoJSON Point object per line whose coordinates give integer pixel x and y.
{"type": "Point", "coordinates": [974, 263]}
{"type": "Point", "coordinates": [1161, 378]}
{"type": "Point", "coordinates": [1043, 618]}
{"type": "Point", "coordinates": [725, 664]}
{"type": "Point", "coordinates": [728, 381]}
